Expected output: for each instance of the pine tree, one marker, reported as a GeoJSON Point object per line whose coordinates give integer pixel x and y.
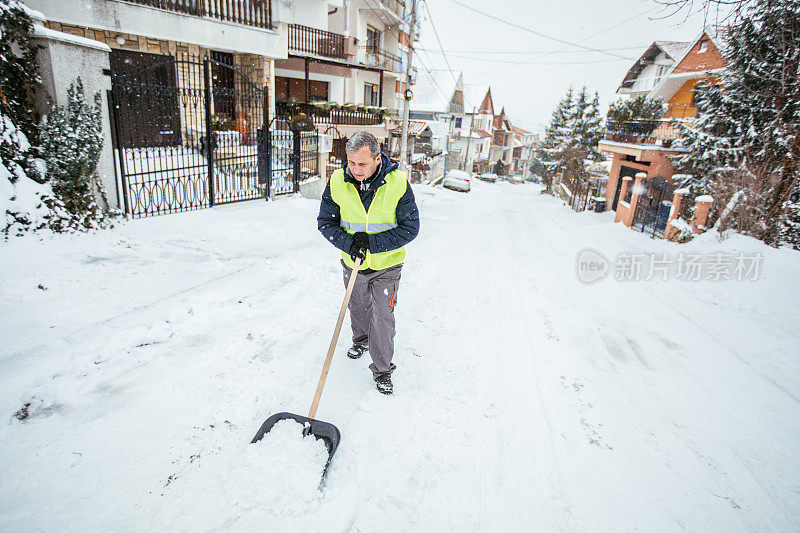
{"type": "Point", "coordinates": [586, 128]}
{"type": "Point", "coordinates": [749, 121]}
{"type": "Point", "coordinates": [19, 71]}
{"type": "Point", "coordinates": [499, 168]}
{"type": "Point", "coordinates": [557, 137]}
{"type": "Point", "coordinates": [72, 139]}
{"type": "Point", "coordinates": [19, 80]}
{"type": "Point", "coordinates": [633, 109]}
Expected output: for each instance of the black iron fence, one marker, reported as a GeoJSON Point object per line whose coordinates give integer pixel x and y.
{"type": "Point", "coordinates": [189, 134]}
{"type": "Point", "coordinates": [653, 207]}
{"type": "Point", "coordinates": [295, 156]}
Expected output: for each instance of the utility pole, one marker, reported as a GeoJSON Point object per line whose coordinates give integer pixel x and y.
{"type": "Point", "coordinates": [469, 140]}
{"type": "Point", "coordinates": [407, 95]}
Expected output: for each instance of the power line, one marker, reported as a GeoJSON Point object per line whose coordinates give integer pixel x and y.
{"type": "Point", "coordinates": [525, 52]}
{"type": "Point", "coordinates": [436, 85]}
{"type": "Point", "coordinates": [555, 64]}
{"type": "Point", "coordinates": [529, 30]}
{"type": "Point", "coordinates": [435, 32]}
{"type": "Point", "coordinates": [562, 50]}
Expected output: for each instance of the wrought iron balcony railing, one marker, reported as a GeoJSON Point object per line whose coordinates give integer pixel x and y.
{"type": "Point", "coordinates": [645, 131]}
{"type": "Point", "coordinates": [256, 13]}
{"type": "Point", "coordinates": [661, 131]}
{"type": "Point", "coordinates": [335, 116]}
{"type": "Point", "coordinates": [376, 57]}
{"type": "Point", "coordinates": [314, 41]}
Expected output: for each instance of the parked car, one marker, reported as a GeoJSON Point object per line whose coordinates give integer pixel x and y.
{"type": "Point", "coordinates": [458, 180]}
{"type": "Point", "coordinates": [487, 176]}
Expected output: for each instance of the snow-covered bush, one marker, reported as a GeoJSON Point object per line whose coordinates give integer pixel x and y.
{"type": "Point", "coordinates": [72, 139]}
{"type": "Point", "coordinates": [25, 203]}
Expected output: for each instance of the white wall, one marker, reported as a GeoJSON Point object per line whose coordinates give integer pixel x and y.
{"type": "Point", "coordinates": [313, 13]}
{"type": "Point", "coordinates": [61, 61]}
{"type": "Point", "coordinates": [649, 76]}
{"type": "Point", "coordinates": [151, 22]}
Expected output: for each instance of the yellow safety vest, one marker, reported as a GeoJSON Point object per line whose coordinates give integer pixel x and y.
{"type": "Point", "coordinates": [382, 215]}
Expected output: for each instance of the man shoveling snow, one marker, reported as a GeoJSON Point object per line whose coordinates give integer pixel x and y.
{"type": "Point", "coordinates": [368, 211]}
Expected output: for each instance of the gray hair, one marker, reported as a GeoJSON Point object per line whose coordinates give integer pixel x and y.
{"type": "Point", "coordinates": [360, 139]}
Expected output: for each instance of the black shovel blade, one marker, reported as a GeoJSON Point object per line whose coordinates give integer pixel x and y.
{"type": "Point", "coordinates": [321, 430]}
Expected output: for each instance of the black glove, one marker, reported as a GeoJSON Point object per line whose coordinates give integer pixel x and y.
{"type": "Point", "coordinates": [360, 246]}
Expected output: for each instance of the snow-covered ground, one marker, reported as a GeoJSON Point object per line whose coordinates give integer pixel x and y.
{"type": "Point", "coordinates": [525, 400]}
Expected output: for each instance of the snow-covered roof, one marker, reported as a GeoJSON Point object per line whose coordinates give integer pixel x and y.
{"type": "Point", "coordinates": [438, 129]}
{"type": "Point", "coordinates": [473, 95]}
{"type": "Point", "coordinates": [672, 49]}
{"type": "Point", "coordinates": [415, 127]}
{"type": "Point", "coordinates": [433, 91]}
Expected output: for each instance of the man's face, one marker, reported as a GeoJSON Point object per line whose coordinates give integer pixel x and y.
{"type": "Point", "coordinates": [361, 163]}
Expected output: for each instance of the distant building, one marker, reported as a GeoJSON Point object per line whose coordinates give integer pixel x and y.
{"type": "Point", "coordinates": [640, 187]}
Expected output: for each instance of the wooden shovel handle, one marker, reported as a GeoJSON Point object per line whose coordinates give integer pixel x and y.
{"type": "Point", "coordinates": [321, 384]}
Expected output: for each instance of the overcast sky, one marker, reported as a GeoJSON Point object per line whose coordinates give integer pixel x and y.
{"type": "Point", "coordinates": [486, 50]}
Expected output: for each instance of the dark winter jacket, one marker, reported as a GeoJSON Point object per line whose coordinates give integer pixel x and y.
{"type": "Point", "coordinates": [407, 213]}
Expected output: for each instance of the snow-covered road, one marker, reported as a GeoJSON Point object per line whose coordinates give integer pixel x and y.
{"type": "Point", "coordinates": [524, 399]}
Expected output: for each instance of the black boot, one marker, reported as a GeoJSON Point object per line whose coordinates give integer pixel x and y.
{"type": "Point", "coordinates": [384, 382]}
{"type": "Point", "coordinates": [356, 351]}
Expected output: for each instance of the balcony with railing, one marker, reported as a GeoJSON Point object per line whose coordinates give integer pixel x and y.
{"type": "Point", "coordinates": [656, 131]}
{"type": "Point", "coordinates": [371, 56]}
{"type": "Point", "coordinates": [255, 13]}
{"type": "Point", "coordinates": [313, 41]}
{"type": "Point", "coordinates": [324, 113]}
{"type": "Point", "coordinates": [396, 6]}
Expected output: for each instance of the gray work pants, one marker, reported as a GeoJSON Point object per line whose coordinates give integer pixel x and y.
{"type": "Point", "coordinates": [372, 314]}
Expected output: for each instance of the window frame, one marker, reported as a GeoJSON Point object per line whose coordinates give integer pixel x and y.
{"type": "Point", "coordinates": [374, 96]}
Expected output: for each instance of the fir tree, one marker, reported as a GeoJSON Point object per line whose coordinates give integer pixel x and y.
{"type": "Point", "coordinates": [633, 109]}
{"type": "Point", "coordinates": [557, 138]}
{"type": "Point", "coordinates": [19, 71]}
{"type": "Point", "coordinates": [72, 139]}
{"type": "Point", "coordinates": [19, 80]}
{"type": "Point", "coordinates": [748, 123]}
{"type": "Point", "coordinates": [586, 124]}
{"type": "Point", "coordinates": [499, 168]}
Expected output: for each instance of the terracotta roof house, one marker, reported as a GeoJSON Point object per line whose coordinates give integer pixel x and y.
{"type": "Point", "coordinates": [640, 186]}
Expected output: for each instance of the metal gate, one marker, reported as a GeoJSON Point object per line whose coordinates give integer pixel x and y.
{"type": "Point", "coordinates": [653, 207]}
{"type": "Point", "coordinates": [188, 133]}
{"type": "Point", "coordinates": [295, 153]}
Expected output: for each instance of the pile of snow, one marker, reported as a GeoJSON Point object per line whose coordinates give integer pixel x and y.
{"type": "Point", "coordinates": [22, 200]}
{"type": "Point", "coordinates": [278, 475]}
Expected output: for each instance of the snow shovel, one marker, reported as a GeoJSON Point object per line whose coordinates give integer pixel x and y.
{"type": "Point", "coordinates": [321, 430]}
